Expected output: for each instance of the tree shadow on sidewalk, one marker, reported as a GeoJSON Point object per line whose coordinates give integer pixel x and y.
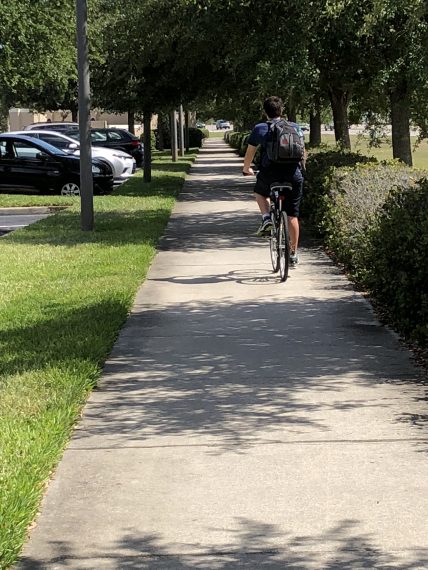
{"type": "Point", "coordinates": [243, 374]}
{"type": "Point", "coordinates": [255, 545]}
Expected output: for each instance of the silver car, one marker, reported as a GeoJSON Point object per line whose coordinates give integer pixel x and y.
{"type": "Point", "coordinates": [122, 164]}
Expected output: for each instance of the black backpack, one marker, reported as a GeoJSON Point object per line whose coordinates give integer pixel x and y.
{"type": "Point", "coordinates": [283, 143]}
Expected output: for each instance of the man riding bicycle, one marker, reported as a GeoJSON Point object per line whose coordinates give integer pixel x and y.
{"type": "Point", "coordinates": [271, 172]}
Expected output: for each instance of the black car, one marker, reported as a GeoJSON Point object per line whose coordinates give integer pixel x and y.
{"type": "Point", "coordinates": [119, 139]}
{"type": "Point", "coordinates": [28, 164]}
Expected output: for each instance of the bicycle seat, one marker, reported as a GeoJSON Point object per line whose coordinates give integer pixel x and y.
{"type": "Point", "coordinates": [287, 185]}
{"type": "Point", "coordinates": [280, 188]}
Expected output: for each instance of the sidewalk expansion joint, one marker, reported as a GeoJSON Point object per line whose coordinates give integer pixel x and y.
{"type": "Point", "coordinates": [223, 552]}
{"type": "Point", "coordinates": [249, 443]}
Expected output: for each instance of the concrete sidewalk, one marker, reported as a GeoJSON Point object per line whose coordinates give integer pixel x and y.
{"type": "Point", "coordinates": [241, 422]}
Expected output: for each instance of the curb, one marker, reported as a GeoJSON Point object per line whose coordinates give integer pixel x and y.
{"type": "Point", "coordinates": [31, 210]}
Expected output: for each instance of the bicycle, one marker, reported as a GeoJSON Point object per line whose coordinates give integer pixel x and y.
{"type": "Point", "coordinates": [279, 240]}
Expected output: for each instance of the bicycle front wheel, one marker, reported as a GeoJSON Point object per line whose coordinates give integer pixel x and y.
{"type": "Point", "coordinates": [283, 246]}
{"type": "Point", "coordinates": [273, 244]}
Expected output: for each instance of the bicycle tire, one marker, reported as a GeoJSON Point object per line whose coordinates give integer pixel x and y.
{"type": "Point", "coordinates": [283, 247]}
{"type": "Point", "coordinates": [273, 244]}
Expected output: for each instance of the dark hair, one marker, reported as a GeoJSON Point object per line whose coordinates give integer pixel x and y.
{"type": "Point", "coordinates": [273, 106]}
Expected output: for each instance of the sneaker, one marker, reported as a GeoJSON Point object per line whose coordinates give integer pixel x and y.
{"type": "Point", "coordinates": [294, 259]}
{"type": "Point", "coordinates": [265, 228]}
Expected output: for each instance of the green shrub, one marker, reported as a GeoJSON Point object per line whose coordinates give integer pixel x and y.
{"type": "Point", "coordinates": [234, 139]}
{"type": "Point", "coordinates": [238, 141]}
{"type": "Point", "coordinates": [205, 134]}
{"type": "Point", "coordinates": [352, 203]}
{"type": "Point", "coordinates": [152, 140]}
{"type": "Point", "coordinates": [196, 136]}
{"type": "Point", "coordinates": [319, 169]}
{"type": "Point", "coordinates": [398, 260]}
{"type": "Point", "coordinates": [374, 218]}
{"type": "Point", "coordinates": [243, 143]}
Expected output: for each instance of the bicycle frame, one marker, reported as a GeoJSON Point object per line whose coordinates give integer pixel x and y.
{"type": "Point", "coordinates": [279, 241]}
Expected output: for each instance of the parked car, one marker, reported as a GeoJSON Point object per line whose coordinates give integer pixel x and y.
{"type": "Point", "coordinates": [31, 165]}
{"type": "Point", "coordinates": [222, 124]}
{"type": "Point", "coordinates": [61, 126]}
{"type": "Point", "coordinates": [122, 163]}
{"type": "Point", "coordinates": [200, 125]}
{"type": "Point", "coordinates": [119, 139]}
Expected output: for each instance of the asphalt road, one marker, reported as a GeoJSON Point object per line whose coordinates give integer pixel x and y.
{"type": "Point", "coordinates": [14, 221]}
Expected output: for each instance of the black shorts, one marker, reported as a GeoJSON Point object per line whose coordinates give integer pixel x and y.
{"type": "Point", "coordinates": [292, 198]}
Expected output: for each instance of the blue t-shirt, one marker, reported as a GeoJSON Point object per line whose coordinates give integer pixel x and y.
{"type": "Point", "coordinates": [258, 137]}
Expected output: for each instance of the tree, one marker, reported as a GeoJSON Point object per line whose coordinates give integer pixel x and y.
{"type": "Point", "coordinates": [37, 55]}
{"type": "Point", "coordinates": [397, 35]}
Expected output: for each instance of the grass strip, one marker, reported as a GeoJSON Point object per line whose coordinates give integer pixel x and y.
{"type": "Point", "coordinates": [384, 150]}
{"type": "Point", "coordinates": [64, 295]}
{"type": "Point", "coordinates": [217, 134]}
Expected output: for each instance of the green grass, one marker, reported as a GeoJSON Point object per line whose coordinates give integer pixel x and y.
{"type": "Point", "coordinates": [21, 200]}
{"type": "Point", "coordinates": [384, 152]}
{"type": "Point", "coordinates": [64, 295]}
{"type": "Point", "coordinates": [217, 134]}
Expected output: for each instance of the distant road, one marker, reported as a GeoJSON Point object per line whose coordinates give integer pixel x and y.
{"type": "Point", "coordinates": [13, 219]}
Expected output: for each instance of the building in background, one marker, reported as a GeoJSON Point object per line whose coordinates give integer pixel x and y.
{"type": "Point", "coordinates": [20, 118]}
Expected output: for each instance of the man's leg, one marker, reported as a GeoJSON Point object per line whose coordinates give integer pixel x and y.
{"type": "Point", "coordinates": [292, 207]}
{"type": "Point", "coordinates": [262, 191]}
{"type": "Point", "coordinates": [263, 204]}
{"type": "Point", "coordinates": [293, 226]}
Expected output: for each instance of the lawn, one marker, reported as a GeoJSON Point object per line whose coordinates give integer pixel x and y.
{"type": "Point", "coordinates": [360, 143]}
{"type": "Point", "coordinates": [384, 152]}
{"type": "Point", "coordinates": [217, 134]}
{"type": "Point", "coordinates": [64, 295]}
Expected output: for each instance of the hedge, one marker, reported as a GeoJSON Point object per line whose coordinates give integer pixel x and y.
{"type": "Point", "coordinates": [196, 136]}
{"type": "Point", "coordinates": [237, 141]}
{"type": "Point", "coordinates": [351, 205]}
{"type": "Point", "coordinates": [374, 218]}
{"type": "Point", "coordinates": [397, 260]}
{"type": "Point", "coordinates": [320, 167]}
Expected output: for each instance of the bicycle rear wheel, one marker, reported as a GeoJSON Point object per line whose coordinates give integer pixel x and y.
{"type": "Point", "coordinates": [273, 244]}
{"type": "Point", "coordinates": [283, 246]}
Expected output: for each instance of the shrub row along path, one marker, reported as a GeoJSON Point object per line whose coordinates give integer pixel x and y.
{"type": "Point", "coordinates": [240, 422]}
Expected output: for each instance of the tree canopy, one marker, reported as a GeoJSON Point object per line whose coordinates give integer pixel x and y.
{"type": "Point", "coordinates": [37, 54]}
{"type": "Point", "coordinates": [364, 59]}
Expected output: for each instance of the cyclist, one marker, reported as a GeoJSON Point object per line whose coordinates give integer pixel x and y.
{"type": "Point", "coordinates": [268, 173]}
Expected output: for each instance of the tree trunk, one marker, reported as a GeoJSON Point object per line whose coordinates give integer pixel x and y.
{"type": "Point", "coordinates": [181, 129]}
{"type": "Point", "coordinates": [174, 137]}
{"type": "Point", "coordinates": [292, 114]}
{"type": "Point", "coordinates": [339, 99]}
{"type": "Point", "coordinates": [131, 121]}
{"type": "Point", "coordinates": [74, 112]}
{"type": "Point", "coordinates": [160, 132]}
{"type": "Point", "coordinates": [291, 107]}
{"type": "Point", "coordinates": [4, 117]}
{"type": "Point", "coordinates": [147, 121]}
{"type": "Point", "coordinates": [315, 128]}
{"type": "Point", "coordinates": [400, 122]}
{"type": "Point", "coordinates": [186, 131]}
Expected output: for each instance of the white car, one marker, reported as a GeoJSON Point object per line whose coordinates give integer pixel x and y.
{"type": "Point", "coordinates": [122, 164]}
